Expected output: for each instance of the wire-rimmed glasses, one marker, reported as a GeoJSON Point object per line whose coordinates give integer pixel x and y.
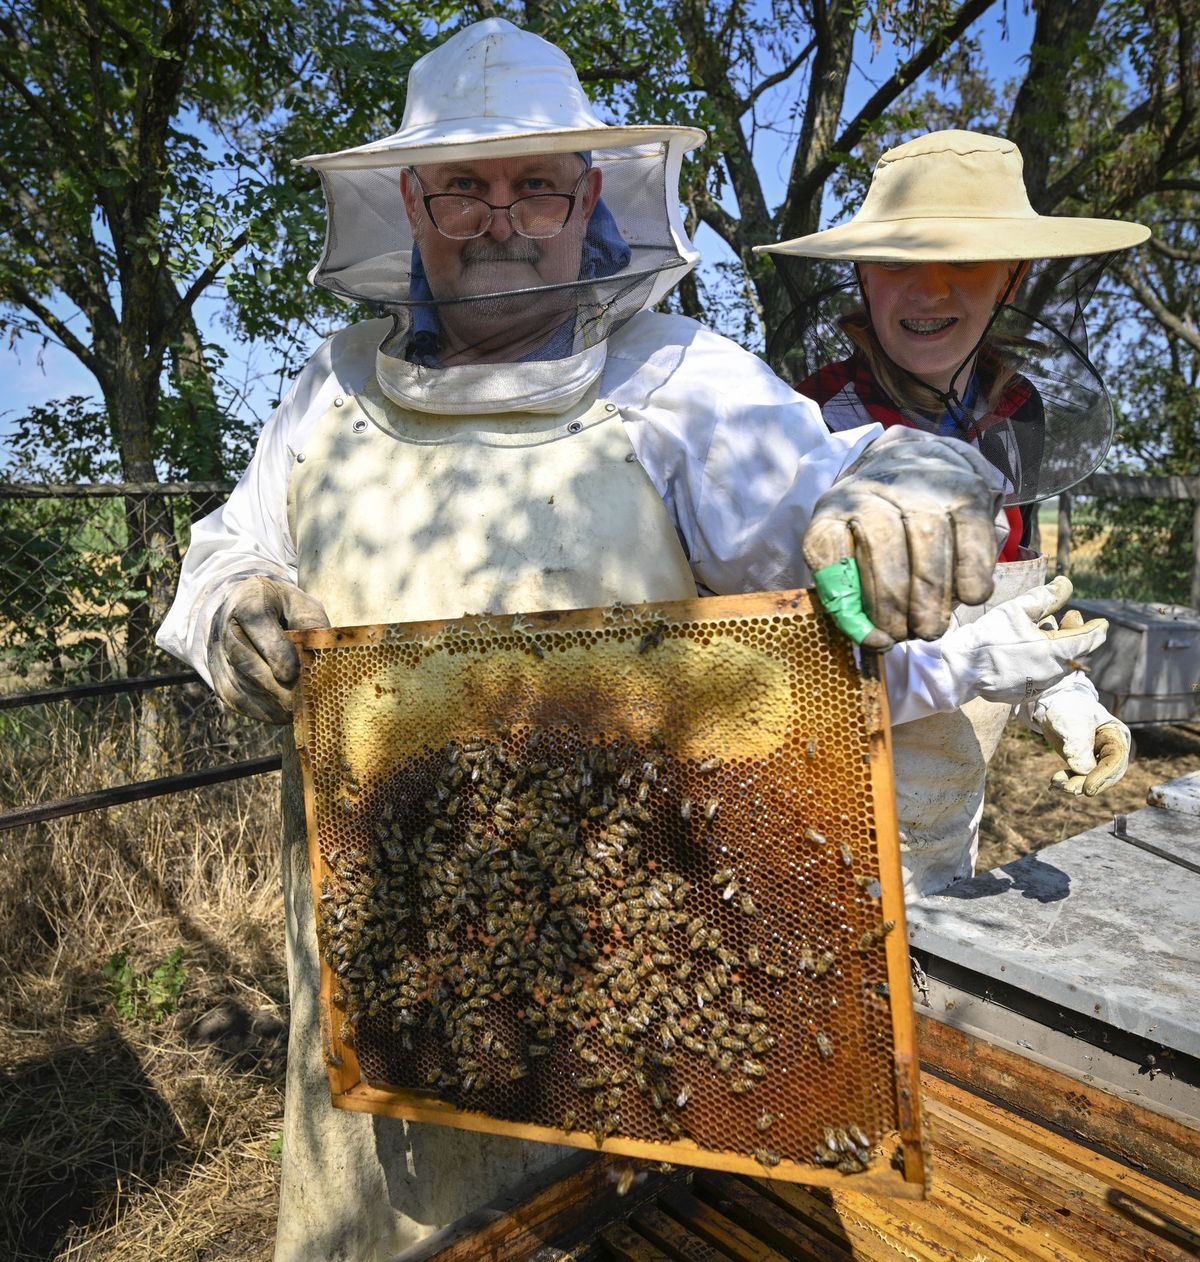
{"type": "Point", "coordinates": [461, 217]}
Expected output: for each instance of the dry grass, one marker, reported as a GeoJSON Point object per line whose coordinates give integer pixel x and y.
{"type": "Point", "coordinates": [124, 1139]}
{"type": "Point", "coordinates": [1022, 813]}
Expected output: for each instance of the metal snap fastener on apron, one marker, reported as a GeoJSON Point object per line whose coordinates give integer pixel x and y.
{"type": "Point", "coordinates": [610, 407]}
{"type": "Point", "coordinates": [339, 402]}
{"type": "Point", "coordinates": [359, 426]}
{"type": "Point", "coordinates": [574, 427]}
{"type": "Point", "coordinates": [299, 457]}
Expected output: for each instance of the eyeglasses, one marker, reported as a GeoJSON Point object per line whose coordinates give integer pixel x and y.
{"type": "Point", "coordinates": [460, 217]}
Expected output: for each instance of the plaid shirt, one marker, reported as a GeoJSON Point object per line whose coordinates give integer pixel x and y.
{"type": "Point", "coordinates": [849, 397]}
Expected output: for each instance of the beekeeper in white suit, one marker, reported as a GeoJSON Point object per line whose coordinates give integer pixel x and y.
{"type": "Point", "coordinates": [520, 432]}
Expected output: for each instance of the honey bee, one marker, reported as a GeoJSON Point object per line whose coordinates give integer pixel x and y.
{"type": "Point", "coordinates": [767, 1157]}
{"type": "Point", "coordinates": [653, 638]}
{"type": "Point", "coordinates": [824, 1045]}
{"type": "Point", "coordinates": [858, 1135]}
{"type": "Point", "coordinates": [766, 1119]}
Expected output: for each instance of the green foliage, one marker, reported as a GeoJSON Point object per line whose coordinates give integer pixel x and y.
{"type": "Point", "coordinates": [66, 568]}
{"type": "Point", "coordinates": [145, 997]}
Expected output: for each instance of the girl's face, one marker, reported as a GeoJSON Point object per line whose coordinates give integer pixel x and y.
{"type": "Point", "coordinates": [930, 316]}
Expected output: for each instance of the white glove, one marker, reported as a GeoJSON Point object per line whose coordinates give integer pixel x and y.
{"type": "Point", "coordinates": [919, 515]}
{"type": "Point", "coordinates": [254, 666]}
{"type": "Point", "coordinates": [1093, 743]}
{"type": "Point", "coordinates": [1006, 656]}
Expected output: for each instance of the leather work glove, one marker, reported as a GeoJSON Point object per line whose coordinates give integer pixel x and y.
{"type": "Point", "coordinates": [918, 514]}
{"type": "Point", "coordinates": [1007, 656]}
{"type": "Point", "coordinates": [254, 666]}
{"type": "Point", "coordinates": [1093, 743]}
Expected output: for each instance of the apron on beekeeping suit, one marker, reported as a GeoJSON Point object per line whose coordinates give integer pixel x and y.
{"type": "Point", "coordinates": [941, 763]}
{"type": "Point", "coordinates": [400, 515]}
{"type": "Point", "coordinates": [509, 232]}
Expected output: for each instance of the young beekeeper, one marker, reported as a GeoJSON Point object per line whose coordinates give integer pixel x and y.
{"type": "Point", "coordinates": [519, 431]}
{"type": "Point", "coordinates": [959, 310]}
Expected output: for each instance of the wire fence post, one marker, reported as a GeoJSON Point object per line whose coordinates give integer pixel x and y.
{"type": "Point", "coordinates": [1062, 561]}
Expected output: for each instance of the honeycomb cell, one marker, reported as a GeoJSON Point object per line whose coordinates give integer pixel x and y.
{"type": "Point", "coordinates": [614, 873]}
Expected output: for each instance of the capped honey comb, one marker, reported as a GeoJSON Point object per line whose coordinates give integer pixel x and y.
{"type": "Point", "coordinates": [624, 878]}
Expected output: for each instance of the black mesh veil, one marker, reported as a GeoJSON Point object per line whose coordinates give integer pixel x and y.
{"type": "Point", "coordinates": [1036, 407]}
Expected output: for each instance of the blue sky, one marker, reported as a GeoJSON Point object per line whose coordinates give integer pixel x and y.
{"type": "Point", "coordinates": [32, 375]}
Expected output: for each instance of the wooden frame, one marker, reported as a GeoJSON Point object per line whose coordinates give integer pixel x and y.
{"type": "Point", "coordinates": [352, 1093]}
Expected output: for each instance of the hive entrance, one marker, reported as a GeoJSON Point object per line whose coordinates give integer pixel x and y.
{"type": "Point", "coordinates": [612, 878]}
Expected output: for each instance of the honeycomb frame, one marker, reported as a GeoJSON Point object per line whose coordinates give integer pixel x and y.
{"type": "Point", "coordinates": [619, 812]}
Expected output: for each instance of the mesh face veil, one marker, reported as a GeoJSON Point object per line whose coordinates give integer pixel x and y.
{"type": "Point", "coordinates": [1031, 401]}
{"type": "Point", "coordinates": [504, 222]}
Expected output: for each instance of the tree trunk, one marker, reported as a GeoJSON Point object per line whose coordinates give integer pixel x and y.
{"type": "Point", "coordinates": [132, 397]}
{"type": "Point", "coordinates": [800, 213]}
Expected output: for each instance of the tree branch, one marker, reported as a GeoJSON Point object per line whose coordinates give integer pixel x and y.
{"type": "Point", "coordinates": [89, 294]}
{"type": "Point", "coordinates": [905, 75]}
{"type": "Point", "coordinates": [1140, 113]}
{"type": "Point", "coordinates": [172, 326]}
{"type": "Point", "coordinates": [779, 76]}
{"type": "Point", "coordinates": [1173, 251]}
{"type": "Point", "coordinates": [624, 72]}
{"type": "Point", "coordinates": [721, 222]}
{"type": "Point", "coordinates": [1185, 330]}
{"type": "Point", "coordinates": [20, 296]}
{"type": "Point", "coordinates": [36, 104]}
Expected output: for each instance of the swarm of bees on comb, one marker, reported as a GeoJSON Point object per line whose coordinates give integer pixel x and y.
{"type": "Point", "coordinates": [513, 913]}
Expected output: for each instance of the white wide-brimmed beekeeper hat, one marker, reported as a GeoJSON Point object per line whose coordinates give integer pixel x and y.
{"type": "Point", "coordinates": [956, 196]}
{"type": "Point", "coordinates": [496, 91]}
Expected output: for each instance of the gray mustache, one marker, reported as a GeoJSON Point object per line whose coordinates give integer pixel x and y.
{"type": "Point", "coordinates": [514, 250]}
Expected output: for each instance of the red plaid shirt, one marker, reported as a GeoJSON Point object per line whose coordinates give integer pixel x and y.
{"type": "Point", "coordinates": [849, 396]}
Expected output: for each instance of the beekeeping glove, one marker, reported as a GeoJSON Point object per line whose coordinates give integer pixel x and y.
{"type": "Point", "coordinates": [1093, 743]}
{"type": "Point", "coordinates": [254, 666]}
{"type": "Point", "coordinates": [919, 516]}
{"type": "Point", "coordinates": [1007, 656]}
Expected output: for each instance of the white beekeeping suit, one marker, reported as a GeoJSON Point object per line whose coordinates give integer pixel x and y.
{"type": "Point", "coordinates": [515, 431]}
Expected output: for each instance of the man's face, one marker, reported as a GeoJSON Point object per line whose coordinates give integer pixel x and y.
{"type": "Point", "coordinates": [500, 260]}
{"type": "Point", "coordinates": [930, 316]}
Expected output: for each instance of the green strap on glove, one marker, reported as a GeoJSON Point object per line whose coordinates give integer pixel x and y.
{"type": "Point", "coordinates": [840, 590]}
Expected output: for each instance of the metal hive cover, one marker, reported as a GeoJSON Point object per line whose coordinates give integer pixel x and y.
{"type": "Point", "coordinates": [624, 878]}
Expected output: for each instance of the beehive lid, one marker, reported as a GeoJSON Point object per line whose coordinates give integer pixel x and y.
{"type": "Point", "coordinates": [1095, 924]}
{"type": "Point", "coordinates": [623, 878]}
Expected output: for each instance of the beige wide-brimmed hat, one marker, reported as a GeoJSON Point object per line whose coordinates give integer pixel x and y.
{"type": "Point", "coordinates": [956, 196]}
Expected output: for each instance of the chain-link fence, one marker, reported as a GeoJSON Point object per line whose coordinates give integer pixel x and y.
{"type": "Point", "coordinates": [91, 711]}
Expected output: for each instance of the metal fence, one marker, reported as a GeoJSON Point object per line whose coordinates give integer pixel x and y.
{"type": "Point", "coordinates": [91, 712]}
